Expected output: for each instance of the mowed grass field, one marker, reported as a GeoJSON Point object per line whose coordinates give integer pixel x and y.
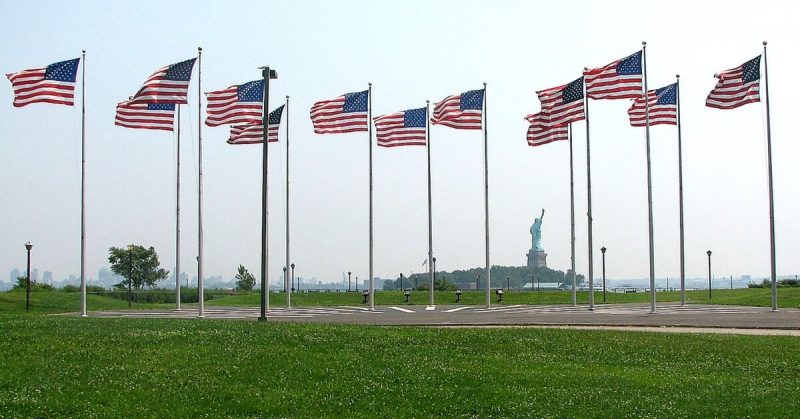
{"type": "Point", "coordinates": [61, 302]}
{"type": "Point", "coordinates": [56, 366]}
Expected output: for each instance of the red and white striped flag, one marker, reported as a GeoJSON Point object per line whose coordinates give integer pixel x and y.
{"type": "Point", "coordinates": [52, 84]}
{"type": "Point", "coordinates": [168, 84]}
{"type": "Point", "coordinates": [401, 128]}
{"type": "Point", "coordinates": [737, 86]}
{"type": "Point", "coordinates": [346, 113]}
{"type": "Point", "coordinates": [464, 111]}
{"type": "Point", "coordinates": [563, 104]}
{"type": "Point", "coordinates": [663, 107]}
{"type": "Point", "coordinates": [621, 79]}
{"type": "Point", "coordinates": [132, 114]}
{"type": "Point", "coordinates": [239, 104]}
{"type": "Point", "coordinates": [543, 131]}
{"type": "Point", "coordinates": [254, 133]}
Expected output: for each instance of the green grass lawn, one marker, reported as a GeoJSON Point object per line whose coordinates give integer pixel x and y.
{"type": "Point", "coordinates": [62, 302]}
{"type": "Point", "coordinates": [71, 367]}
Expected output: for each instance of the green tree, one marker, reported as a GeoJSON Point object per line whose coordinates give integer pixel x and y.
{"type": "Point", "coordinates": [136, 264]}
{"type": "Point", "coordinates": [245, 281]}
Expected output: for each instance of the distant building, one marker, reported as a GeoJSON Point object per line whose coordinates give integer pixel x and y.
{"type": "Point", "coordinates": [15, 273]}
{"type": "Point", "coordinates": [35, 275]}
{"type": "Point", "coordinates": [47, 277]}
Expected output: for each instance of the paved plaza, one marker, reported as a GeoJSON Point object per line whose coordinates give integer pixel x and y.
{"type": "Point", "coordinates": [607, 315]}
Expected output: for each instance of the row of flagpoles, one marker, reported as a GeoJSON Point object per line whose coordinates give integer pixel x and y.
{"type": "Point", "coordinates": [157, 104]}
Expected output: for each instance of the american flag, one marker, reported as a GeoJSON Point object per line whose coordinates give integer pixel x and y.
{"type": "Point", "coordinates": [132, 114]}
{"type": "Point", "coordinates": [346, 113]}
{"type": "Point", "coordinates": [563, 104]}
{"type": "Point", "coordinates": [52, 84]}
{"type": "Point", "coordinates": [254, 133]}
{"type": "Point", "coordinates": [401, 128]}
{"type": "Point", "coordinates": [242, 104]}
{"type": "Point", "coordinates": [464, 111]}
{"type": "Point", "coordinates": [737, 86]}
{"type": "Point", "coordinates": [621, 79]}
{"type": "Point", "coordinates": [663, 104]}
{"type": "Point", "coordinates": [168, 84]}
{"type": "Point", "coordinates": [543, 131]}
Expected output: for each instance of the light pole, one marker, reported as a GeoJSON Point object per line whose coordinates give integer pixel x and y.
{"type": "Point", "coordinates": [508, 282]}
{"type": "Point", "coordinates": [130, 272]}
{"type": "Point", "coordinates": [356, 283]}
{"type": "Point", "coordinates": [477, 282]}
{"type": "Point", "coordinates": [285, 280]}
{"type": "Point", "coordinates": [709, 274]}
{"type": "Point", "coordinates": [401, 281]}
{"type": "Point", "coordinates": [292, 277]}
{"type": "Point", "coordinates": [603, 251]}
{"type": "Point", "coordinates": [348, 281]}
{"type": "Point", "coordinates": [28, 246]}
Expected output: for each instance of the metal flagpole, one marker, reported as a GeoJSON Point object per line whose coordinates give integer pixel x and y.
{"type": "Point", "coordinates": [178, 216]}
{"type": "Point", "coordinates": [771, 202]}
{"type": "Point", "coordinates": [264, 199]}
{"type": "Point", "coordinates": [286, 277]}
{"type": "Point", "coordinates": [680, 185]}
{"type": "Point", "coordinates": [371, 275]}
{"type": "Point", "coordinates": [430, 214]}
{"type": "Point", "coordinates": [201, 302]}
{"type": "Point", "coordinates": [649, 182]}
{"type": "Point", "coordinates": [486, 198]}
{"type": "Point", "coordinates": [572, 215]}
{"type": "Point", "coordinates": [83, 185]}
{"type": "Point", "coordinates": [589, 205]}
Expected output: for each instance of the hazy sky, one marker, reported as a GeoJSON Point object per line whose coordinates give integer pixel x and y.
{"type": "Point", "coordinates": [411, 51]}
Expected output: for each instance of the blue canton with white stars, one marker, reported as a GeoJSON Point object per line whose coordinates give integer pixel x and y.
{"type": "Point", "coordinates": [160, 106]}
{"type": "Point", "coordinates": [631, 64]}
{"type": "Point", "coordinates": [356, 102]}
{"type": "Point", "coordinates": [573, 91]}
{"type": "Point", "coordinates": [275, 116]}
{"type": "Point", "coordinates": [62, 71]}
{"type": "Point", "coordinates": [251, 91]}
{"type": "Point", "coordinates": [472, 100]}
{"type": "Point", "coordinates": [751, 70]}
{"type": "Point", "coordinates": [414, 118]}
{"type": "Point", "coordinates": [181, 71]}
{"type": "Point", "coordinates": [667, 95]}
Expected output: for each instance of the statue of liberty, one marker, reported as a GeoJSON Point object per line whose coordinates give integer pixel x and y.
{"type": "Point", "coordinates": [536, 233]}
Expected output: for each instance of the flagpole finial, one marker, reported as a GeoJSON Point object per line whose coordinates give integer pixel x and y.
{"type": "Point", "coordinates": [287, 97]}
{"type": "Point", "coordinates": [677, 76]}
{"type": "Point", "coordinates": [199, 49]}
{"type": "Point", "coordinates": [764, 43]}
{"type": "Point", "coordinates": [427, 102]}
{"type": "Point", "coordinates": [644, 43]}
{"type": "Point", "coordinates": [84, 51]}
{"type": "Point", "coordinates": [484, 85]}
{"type": "Point", "coordinates": [369, 84]}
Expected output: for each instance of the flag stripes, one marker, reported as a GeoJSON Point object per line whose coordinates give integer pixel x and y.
{"type": "Point", "coordinates": [737, 86]}
{"type": "Point", "coordinates": [168, 84]}
{"type": "Point", "coordinates": [346, 113]}
{"type": "Point", "coordinates": [663, 107]}
{"type": "Point", "coordinates": [401, 128]}
{"type": "Point", "coordinates": [160, 116]}
{"type": "Point", "coordinates": [238, 104]}
{"type": "Point", "coordinates": [52, 84]}
{"type": "Point", "coordinates": [621, 79]}
{"type": "Point", "coordinates": [464, 111]}
{"type": "Point", "coordinates": [254, 133]}
{"type": "Point", "coordinates": [542, 131]}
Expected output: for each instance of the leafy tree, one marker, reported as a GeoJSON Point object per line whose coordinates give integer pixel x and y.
{"type": "Point", "coordinates": [22, 282]}
{"type": "Point", "coordinates": [245, 281]}
{"type": "Point", "coordinates": [138, 263]}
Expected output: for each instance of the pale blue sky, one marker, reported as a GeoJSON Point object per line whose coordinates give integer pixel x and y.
{"type": "Point", "coordinates": [411, 51]}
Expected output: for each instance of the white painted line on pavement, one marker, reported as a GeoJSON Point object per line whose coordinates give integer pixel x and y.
{"type": "Point", "coordinates": [404, 310]}
{"type": "Point", "coordinates": [453, 310]}
{"type": "Point", "coordinates": [430, 308]}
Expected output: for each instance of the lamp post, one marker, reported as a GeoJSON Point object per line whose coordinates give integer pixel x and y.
{"type": "Point", "coordinates": [130, 272]}
{"type": "Point", "coordinates": [292, 277]}
{"type": "Point", "coordinates": [477, 282]}
{"type": "Point", "coordinates": [401, 281]}
{"type": "Point", "coordinates": [603, 251]}
{"type": "Point", "coordinates": [348, 281]}
{"type": "Point", "coordinates": [709, 274]}
{"type": "Point", "coordinates": [434, 269]}
{"type": "Point", "coordinates": [356, 283]}
{"type": "Point", "coordinates": [28, 246]}
{"type": "Point", "coordinates": [285, 280]}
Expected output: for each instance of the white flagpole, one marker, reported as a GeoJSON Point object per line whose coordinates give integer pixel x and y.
{"type": "Point", "coordinates": [178, 215]}
{"type": "Point", "coordinates": [285, 276]}
{"type": "Point", "coordinates": [589, 205]}
{"type": "Point", "coordinates": [773, 272]}
{"type": "Point", "coordinates": [649, 182]}
{"type": "Point", "coordinates": [486, 198]}
{"type": "Point", "coordinates": [267, 75]}
{"type": "Point", "coordinates": [572, 216]}
{"type": "Point", "coordinates": [83, 185]}
{"type": "Point", "coordinates": [200, 312]}
{"type": "Point", "coordinates": [371, 274]}
{"type": "Point", "coordinates": [431, 272]}
{"type": "Point", "coordinates": [680, 185]}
